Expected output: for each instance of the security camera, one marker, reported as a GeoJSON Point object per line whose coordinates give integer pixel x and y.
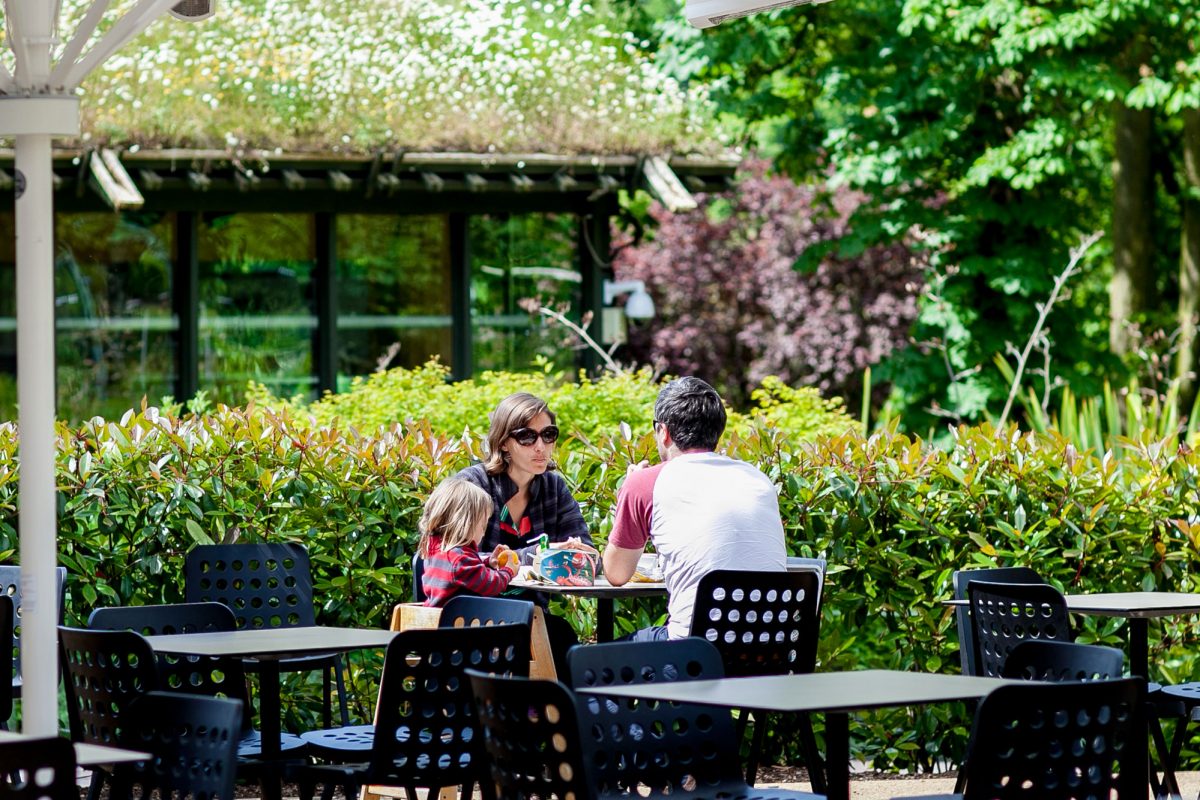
{"type": "Point", "coordinates": [194, 10]}
{"type": "Point", "coordinates": [707, 13]}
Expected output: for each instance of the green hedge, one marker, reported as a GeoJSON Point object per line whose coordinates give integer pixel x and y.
{"type": "Point", "coordinates": [893, 516]}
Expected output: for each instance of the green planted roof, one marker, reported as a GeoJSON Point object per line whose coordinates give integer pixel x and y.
{"type": "Point", "coordinates": [560, 76]}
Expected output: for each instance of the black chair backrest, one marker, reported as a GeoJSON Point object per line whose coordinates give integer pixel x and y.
{"type": "Point", "coordinates": [764, 623]}
{"type": "Point", "coordinates": [962, 614]}
{"type": "Point", "coordinates": [466, 611]}
{"type": "Point", "coordinates": [7, 659]}
{"type": "Point", "coordinates": [619, 754]}
{"type": "Point", "coordinates": [193, 741]}
{"type": "Point", "coordinates": [532, 738]}
{"type": "Point", "coordinates": [10, 584]}
{"type": "Point", "coordinates": [418, 572]}
{"type": "Point", "coordinates": [1063, 661]}
{"type": "Point", "coordinates": [1065, 740]}
{"type": "Point", "coordinates": [103, 672]}
{"type": "Point", "coordinates": [201, 675]}
{"type": "Point", "coordinates": [266, 585]}
{"type": "Point", "coordinates": [52, 760]}
{"type": "Point", "coordinates": [426, 731]}
{"type": "Point", "coordinates": [1005, 614]}
{"type": "Point", "coordinates": [627, 663]}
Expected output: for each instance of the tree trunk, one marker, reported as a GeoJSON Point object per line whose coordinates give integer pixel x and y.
{"type": "Point", "coordinates": [1189, 260]}
{"type": "Point", "coordinates": [1132, 288]}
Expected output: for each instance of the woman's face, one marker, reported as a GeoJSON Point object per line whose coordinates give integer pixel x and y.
{"type": "Point", "coordinates": [531, 458]}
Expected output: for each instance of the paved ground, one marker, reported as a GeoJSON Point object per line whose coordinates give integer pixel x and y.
{"type": "Point", "coordinates": [883, 789]}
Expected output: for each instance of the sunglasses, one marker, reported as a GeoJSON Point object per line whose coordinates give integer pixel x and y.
{"type": "Point", "coordinates": [527, 436]}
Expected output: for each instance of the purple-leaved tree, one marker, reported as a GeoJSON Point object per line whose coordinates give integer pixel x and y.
{"type": "Point", "coordinates": [733, 308]}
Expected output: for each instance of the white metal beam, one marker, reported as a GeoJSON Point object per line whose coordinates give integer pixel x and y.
{"type": "Point", "coordinates": [18, 33]}
{"type": "Point", "coordinates": [122, 31]}
{"type": "Point", "coordinates": [87, 26]}
{"type": "Point", "coordinates": [7, 84]}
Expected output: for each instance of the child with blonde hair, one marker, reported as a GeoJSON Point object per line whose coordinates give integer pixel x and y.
{"type": "Point", "coordinates": [452, 526]}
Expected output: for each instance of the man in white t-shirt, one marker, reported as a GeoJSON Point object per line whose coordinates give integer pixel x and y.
{"type": "Point", "coordinates": [703, 511]}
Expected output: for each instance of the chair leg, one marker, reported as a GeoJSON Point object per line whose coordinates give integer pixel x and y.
{"type": "Point", "coordinates": [960, 782]}
{"type": "Point", "coordinates": [812, 755]}
{"type": "Point", "coordinates": [756, 745]}
{"type": "Point", "coordinates": [340, 677]}
{"type": "Point", "coordinates": [96, 785]}
{"type": "Point", "coordinates": [327, 695]}
{"type": "Point", "coordinates": [1168, 783]}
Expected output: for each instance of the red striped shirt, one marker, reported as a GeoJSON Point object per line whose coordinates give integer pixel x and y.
{"type": "Point", "coordinates": [461, 569]}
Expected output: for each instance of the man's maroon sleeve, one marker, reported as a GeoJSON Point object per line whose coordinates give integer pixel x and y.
{"type": "Point", "coordinates": [635, 507]}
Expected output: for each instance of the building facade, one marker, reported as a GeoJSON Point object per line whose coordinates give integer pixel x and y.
{"type": "Point", "coordinates": [180, 271]}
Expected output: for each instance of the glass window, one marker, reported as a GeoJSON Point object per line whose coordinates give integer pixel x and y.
{"type": "Point", "coordinates": [393, 284]}
{"type": "Point", "coordinates": [517, 262]}
{"type": "Point", "coordinates": [256, 309]}
{"type": "Point", "coordinates": [115, 327]}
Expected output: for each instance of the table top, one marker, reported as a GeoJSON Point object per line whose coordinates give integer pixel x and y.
{"type": "Point", "coordinates": [1128, 605]}
{"type": "Point", "coordinates": [601, 588]}
{"type": "Point", "coordinates": [272, 643]}
{"type": "Point", "coordinates": [1134, 604]}
{"type": "Point", "coordinates": [821, 691]}
{"type": "Point", "coordinates": [87, 755]}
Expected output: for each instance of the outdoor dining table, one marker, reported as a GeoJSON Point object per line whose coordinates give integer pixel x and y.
{"type": "Point", "coordinates": [269, 646]}
{"type": "Point", "coordinates": [606, 594]}
{"type": "Point", "coordinates": [88, 755]}
{"type": "Point", "coordinates": [834, 693]}
{"type": "Point", "coordinates": [603, 592]}
{"type": "Point", "coordinates": [1137, 608]}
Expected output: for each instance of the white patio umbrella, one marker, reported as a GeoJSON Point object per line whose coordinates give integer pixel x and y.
{"type": "Point", "coordinates": [39, 100]}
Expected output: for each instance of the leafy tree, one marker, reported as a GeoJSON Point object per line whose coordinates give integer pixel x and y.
{"type": "Point", "coordinates": [733, 308]}
{"type": "Point", "coordinates": [991, 127]}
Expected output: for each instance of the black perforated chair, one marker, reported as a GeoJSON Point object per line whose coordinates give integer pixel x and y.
{"type": "Point", "coordinates": [10, 585]}
{"type": "Point", "coordinates": [193, 741]}
{"type": "Point", "coordinates": [600, 748]}
{"type": "Point", "coordinates": [7, 660]}
{"type": "Point", "coordinates": [764, 623]}
{"type": "Point", "coordinates": [1060, 742]}
{"type": "Point", "coordinates": [466, 611]}
{"type": "Point", "coordinates": [425, 733]}
{"type": "Point", "coordinates": [1005, 614]}
{"type": "Point", "coordinates": [596, 666]}
{"type": "Point", "coordinates": [1063, 661]}
{"type": "Point", "coordinates": [267, 586]}
{"type": "Point", "coordinates": [199, 675]}
{"type": "Point", "coordinates": [418, 571]}
{"type": "Point", "coordinates": [103, 673]}
{"type": "Point", "coordinates": [52, 760]}
{"type": "Point", "coordinates": [962, 614]}
{"type": "Point", "coordinates": [351, 742]}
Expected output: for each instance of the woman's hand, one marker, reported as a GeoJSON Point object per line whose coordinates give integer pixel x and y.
{"type": "Point", "coordinates": [575, 543]}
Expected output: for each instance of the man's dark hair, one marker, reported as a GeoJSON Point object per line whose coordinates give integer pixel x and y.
{"type": "Point", "coordinates": [693, 413]}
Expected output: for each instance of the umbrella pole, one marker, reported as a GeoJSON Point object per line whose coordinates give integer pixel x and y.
{"type": "Point", "coordinates": [34, 120]}
{"type": "Point", "coordinates": [35, 396]}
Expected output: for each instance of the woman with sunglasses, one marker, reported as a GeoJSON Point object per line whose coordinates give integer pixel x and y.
{"type": "Point", "coordinates": [529, 496]}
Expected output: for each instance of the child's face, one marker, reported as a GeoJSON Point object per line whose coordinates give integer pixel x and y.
{"type": "Point", "coordinates": [478, 530]}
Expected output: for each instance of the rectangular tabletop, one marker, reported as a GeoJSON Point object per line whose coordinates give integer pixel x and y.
{"type": "Point", "coordinates": [821, 691]}
{"type": "Point", "coordinates": [1126, 605]}
{"type": "Point", "coordinates": [1134, 605]}
{"type": "Point", "coordinates": [600, 589]}
{"type": "Point", "coordinates": [87, 755]}
{"type": "Point", "coordinates": [272, 643]}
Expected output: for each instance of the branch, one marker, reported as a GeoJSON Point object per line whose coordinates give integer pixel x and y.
{"type": "Point", "coordinates": [609, 363]}
{"type": "Point", "coordinates": [1044, 309]}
